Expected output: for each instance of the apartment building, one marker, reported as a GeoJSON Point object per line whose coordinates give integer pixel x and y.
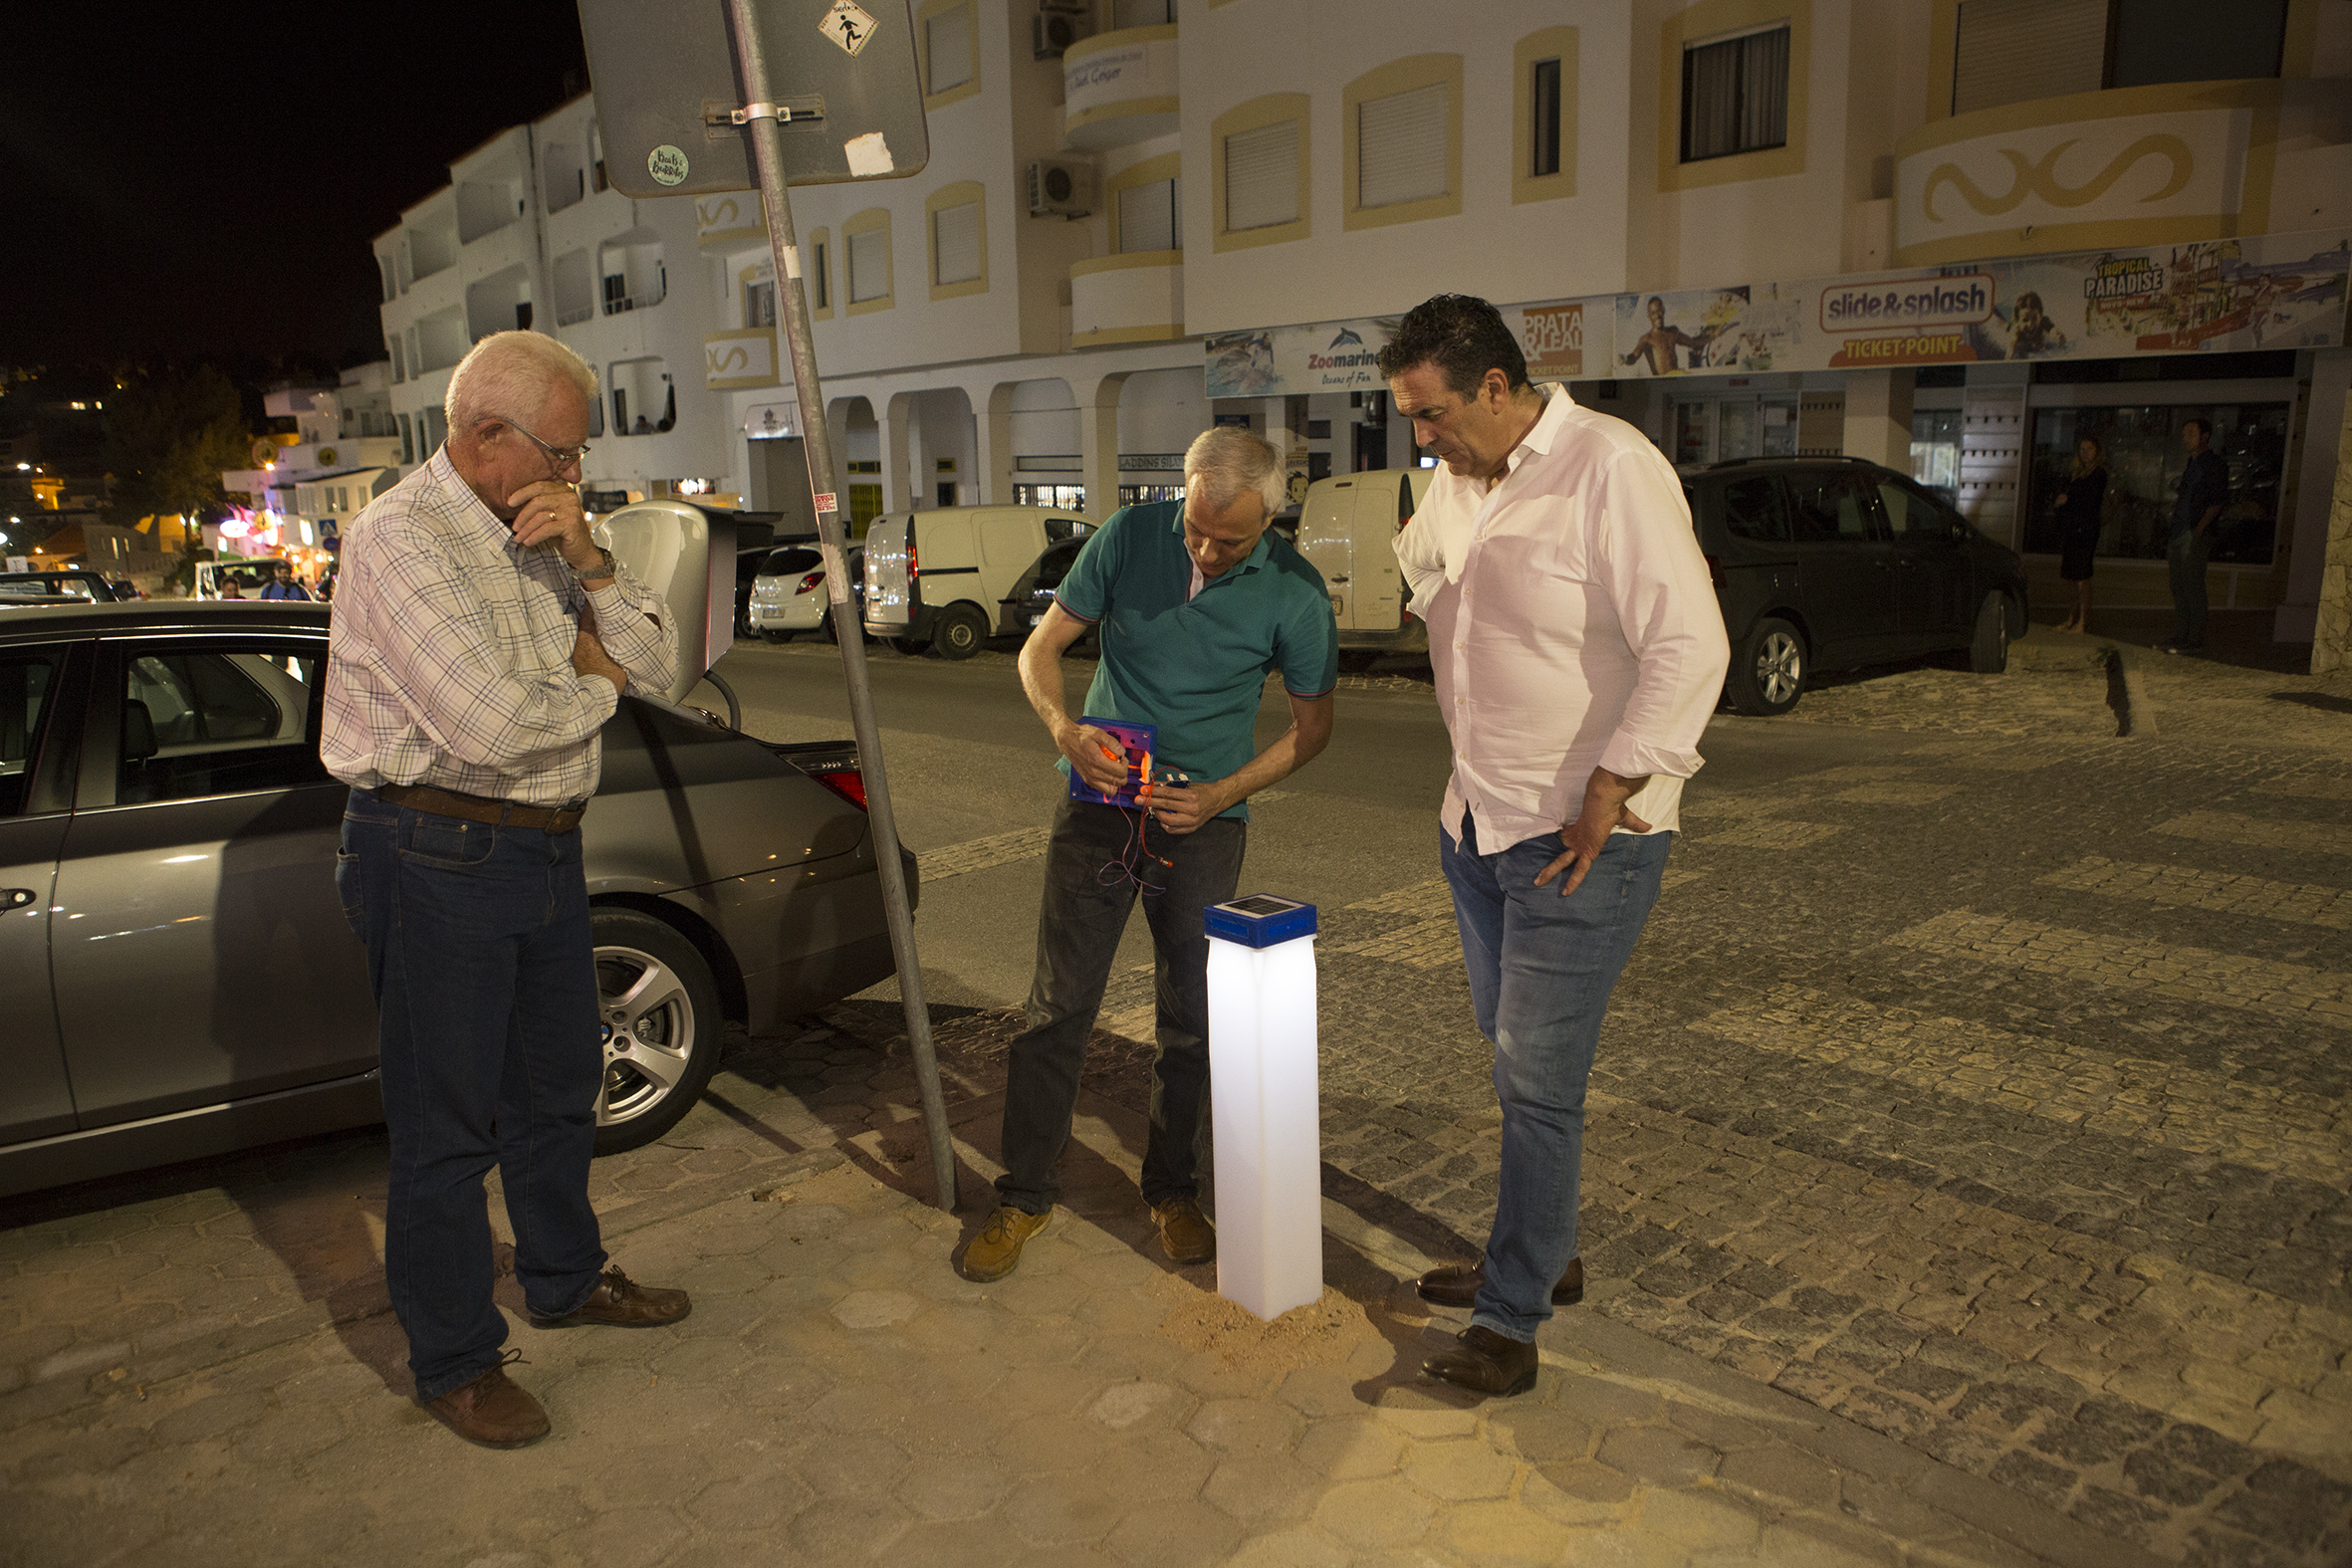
{"type": "Point", "coordinates": [1949, 235]}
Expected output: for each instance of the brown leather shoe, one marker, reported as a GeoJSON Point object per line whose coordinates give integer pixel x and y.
{"type": "Point", "coordinates": [1184, 1231]}
{"type": "Point", "coordinates": [1485, 1362]}
{"type": "Point", "coordinates": [491, 1411]}
{"type": "Point", "coordinates": [1457, 1284]}
{"type": "Point", "coordinates": [623, 1303]}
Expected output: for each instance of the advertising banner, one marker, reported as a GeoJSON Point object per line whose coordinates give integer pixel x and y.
{"type": "Point", "coordinates": [2276, 291]}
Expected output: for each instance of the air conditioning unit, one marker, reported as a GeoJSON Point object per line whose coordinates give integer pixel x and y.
{"type": "Point", "coordinates": [1063, 186]}
{"type": "Point", "coordinates": [1060, 24]}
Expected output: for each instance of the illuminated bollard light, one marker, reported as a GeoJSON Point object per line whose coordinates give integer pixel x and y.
{"type": "Point", "coordinates": [1264, 1089]}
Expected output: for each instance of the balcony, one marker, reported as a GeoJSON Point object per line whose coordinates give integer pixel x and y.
{"type": "Point", "coordinates": [1137, 298]}
{"type": "Point", "coordinates": [2129, 166]}
{"type": "Point", "coordinates": [1120, 87]}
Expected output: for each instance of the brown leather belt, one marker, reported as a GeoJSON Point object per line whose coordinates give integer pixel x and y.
{"type": "Point", "coordinates": [478, 809]}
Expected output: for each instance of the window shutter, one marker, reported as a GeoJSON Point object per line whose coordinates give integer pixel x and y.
{"type": "Point", "coordinates": [1262, 176]}
{"type": "Point", "coordinates": [1401, 146]}
{"type": "Point", "coordinates": [2008, 51]}
{"type": "Point", "coordinates": [1148, 217]}
{"type": "Point", "coordinates": [947, 40]}
{"type": "Point", "coordinates": [869, 265]}
{"type": "Point", "coordinates": [955, 235]}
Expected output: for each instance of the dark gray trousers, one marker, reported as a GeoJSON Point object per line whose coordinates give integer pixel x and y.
{"type": "Point", "coordinates": [1086, 904]}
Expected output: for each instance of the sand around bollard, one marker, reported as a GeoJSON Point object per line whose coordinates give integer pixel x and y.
{"type": "Point", "coordinates": [1318, 1334]}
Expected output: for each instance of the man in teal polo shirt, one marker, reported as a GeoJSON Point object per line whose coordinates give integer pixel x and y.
{"type": "Point", "coordinates": [1195, 603]}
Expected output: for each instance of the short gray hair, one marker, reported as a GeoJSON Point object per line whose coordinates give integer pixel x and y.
{"type": "Point", "coordinates": [509, 376]}
{"type": "Point", "coordinates": [1227, 461]}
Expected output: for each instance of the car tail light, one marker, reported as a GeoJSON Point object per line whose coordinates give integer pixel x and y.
{"type": "Point", "coordinates": [810, 582]}
{"type": "Point", "coordinates": [1715, 572]}
{"type": "Point", "coordinates": [847, 783]}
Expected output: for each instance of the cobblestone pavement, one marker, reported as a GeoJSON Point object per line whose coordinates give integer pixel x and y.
{"type": "Point", "coordinates": [1966, 1182]}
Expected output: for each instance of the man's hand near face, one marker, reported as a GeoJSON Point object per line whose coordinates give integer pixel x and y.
{"type": "Point", "coordinates": [549, 511]}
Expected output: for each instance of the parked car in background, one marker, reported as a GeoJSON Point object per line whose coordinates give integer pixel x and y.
{"type": "Point", "coordinates": [946, 579]}
{"type": "Point", "coordinates": [788, 594]}
{"type": "Point", "coordinates": [1827, 564]}
{"type": "Point", "coordinates": [179, 976]}
{"type": "Point", "coordinates": [69, 582]}
{"type": "Point", "coordinates": [1039, 586]}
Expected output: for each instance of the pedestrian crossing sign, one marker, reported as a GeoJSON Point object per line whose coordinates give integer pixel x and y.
{"type": "Point", "coordinates": [847, 25]}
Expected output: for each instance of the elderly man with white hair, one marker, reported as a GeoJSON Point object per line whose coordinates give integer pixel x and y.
{"type": "Point", "coordinates": [1196, 603]}
{"type": "Point", "coordinates": [480, 641]}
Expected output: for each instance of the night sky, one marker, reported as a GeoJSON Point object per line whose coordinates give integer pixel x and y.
{"type": "Point", "coordinates": [184, 181]}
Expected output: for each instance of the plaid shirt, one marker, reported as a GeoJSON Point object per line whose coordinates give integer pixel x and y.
{"type": "Point", "coordinates": [449, 661]}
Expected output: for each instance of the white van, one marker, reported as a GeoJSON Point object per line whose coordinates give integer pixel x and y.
{"type": "Point", "coordinates": [947, 578]}
{"type": "Point", "coordinates": [1348, 531]}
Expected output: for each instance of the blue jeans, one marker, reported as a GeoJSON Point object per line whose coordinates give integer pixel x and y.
{"type": "Point", "coordinates": [1540, 971]}
{"type": "Point", "coordinates": [2186, 556]}
{"type": "Point", "coordinates": [484, 972]}
{"type": "Point", "coordinates": [1079, 923]}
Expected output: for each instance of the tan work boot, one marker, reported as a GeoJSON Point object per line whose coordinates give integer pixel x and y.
{"type": "Point", "coordinates": [1184, 1231]}
{"type": "Point", "coordinates": [996, 1250]}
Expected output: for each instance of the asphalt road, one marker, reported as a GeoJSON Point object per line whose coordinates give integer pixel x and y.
{"type": "Point", "coordinates": [969, 760]}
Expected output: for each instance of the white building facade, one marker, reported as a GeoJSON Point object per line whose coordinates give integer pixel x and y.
{"type": "Point", "coordinates": [1142, 216]}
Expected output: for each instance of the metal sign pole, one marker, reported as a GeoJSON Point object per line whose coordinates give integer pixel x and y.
{"type": "Point", "coordinates": [816, 442]}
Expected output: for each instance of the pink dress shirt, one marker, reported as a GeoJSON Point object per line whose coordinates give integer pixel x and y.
{"type": "Point", "coordinates": [1571, 626]}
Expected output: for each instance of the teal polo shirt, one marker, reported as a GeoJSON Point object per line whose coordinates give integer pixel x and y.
{"type": "Point", "coordinates": [1197, 668]}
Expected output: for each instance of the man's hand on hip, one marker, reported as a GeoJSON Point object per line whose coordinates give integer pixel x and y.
{"type": "Point", "coordinates": [1094, 753]}
{"type": "Point", "coordinates": [551, 514]}
{"type": "Point", "coordinates": [1584, 839]}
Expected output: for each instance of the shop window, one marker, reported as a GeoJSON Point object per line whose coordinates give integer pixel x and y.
{"type": "Point", "coordinates": [2145, 458]}
{"type": "Point", "coordinates": [1735, 94]}
{"type": "Point", "coordinates": [1934, 450]}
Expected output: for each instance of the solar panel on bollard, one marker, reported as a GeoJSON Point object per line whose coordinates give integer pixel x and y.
{"type": "Point", "coordinates": [736, 95]}
{"type": "Point", "coordinates": [1264, 1089]}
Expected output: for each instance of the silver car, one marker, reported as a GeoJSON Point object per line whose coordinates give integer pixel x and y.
{"type": "Point", "coordinates": [178, 976]}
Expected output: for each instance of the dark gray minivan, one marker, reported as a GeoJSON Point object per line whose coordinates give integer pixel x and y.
{"type": "Point", "coordinates": [1827, 564]}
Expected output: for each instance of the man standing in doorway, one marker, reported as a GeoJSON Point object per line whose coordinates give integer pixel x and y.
{"type": "Point", "coordinates": [1196, 603]}
{"type": "Point", "coordinates": [1578, 652]}
{"type": "Point", "coordinates": [2196, 506]}
{"type": "Point", "coordinates": [480, 640]}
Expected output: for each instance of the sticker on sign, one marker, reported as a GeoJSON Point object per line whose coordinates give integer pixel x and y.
{"type": "Point", "coordinates": [847, 26]}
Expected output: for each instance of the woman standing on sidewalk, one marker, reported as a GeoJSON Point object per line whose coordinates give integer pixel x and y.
{"type": "Point", "coordinates": [2078, 525]}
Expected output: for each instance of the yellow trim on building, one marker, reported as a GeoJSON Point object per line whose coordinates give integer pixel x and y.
{"type": "Point", "coordinates": [861, 223]}
{"type": "Point", "coordinates": [1550, 43]}
{"type": "Point", "coordinates": [1257, 114]}
{"type": "Point", "coordinates": [1400, 76]}
{"type": "Point", "coordinates": [1111, 335]}
{"type": "Point", "coordinates": [1697, 25]}
{"type": "Point", "coordinates": [1120, 263]}
{"type": "Point", "coordinates": [933, 102]}
{"type": "Point", "coordinates": [964, 192]}
{"type": "Point", "coordinates": [1168, 165]}
{"type": "Point", "coordinates": [1119, 110]}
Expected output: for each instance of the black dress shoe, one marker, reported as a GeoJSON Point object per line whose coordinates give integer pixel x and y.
{"type": "Point", "coordinates": [1457, 1284]}
{"type": "Point", "coordinates": [1485, 1362]}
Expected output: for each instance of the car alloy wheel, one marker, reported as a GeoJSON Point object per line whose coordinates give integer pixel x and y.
{"type": "Point", "coordinates": [1768, 672]}
{"type": "Point", "coordinates": [658, 1020]}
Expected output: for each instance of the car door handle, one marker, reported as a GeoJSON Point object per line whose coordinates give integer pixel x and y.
{"type": "Point", "coordinates": [16, 897]}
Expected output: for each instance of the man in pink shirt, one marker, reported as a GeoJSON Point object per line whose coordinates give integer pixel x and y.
{"type": "Point", "coordinates": [1578, 651]}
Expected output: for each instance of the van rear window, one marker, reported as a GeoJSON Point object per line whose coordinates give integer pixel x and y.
{"type": "Point", "coordinates": [1755, 509]}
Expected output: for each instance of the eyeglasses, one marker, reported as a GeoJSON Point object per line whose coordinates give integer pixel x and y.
{"type": "Point", "coordinates": [563, 456]}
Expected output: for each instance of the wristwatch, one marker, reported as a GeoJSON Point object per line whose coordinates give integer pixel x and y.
{"type": "Point", "coordinates": [605, 567]}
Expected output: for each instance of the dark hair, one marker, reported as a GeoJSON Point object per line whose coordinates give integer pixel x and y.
{"type": "Point", "coordinates": [2205, 425]}
{"type": "Point", "coordinates": [1463, 335]}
